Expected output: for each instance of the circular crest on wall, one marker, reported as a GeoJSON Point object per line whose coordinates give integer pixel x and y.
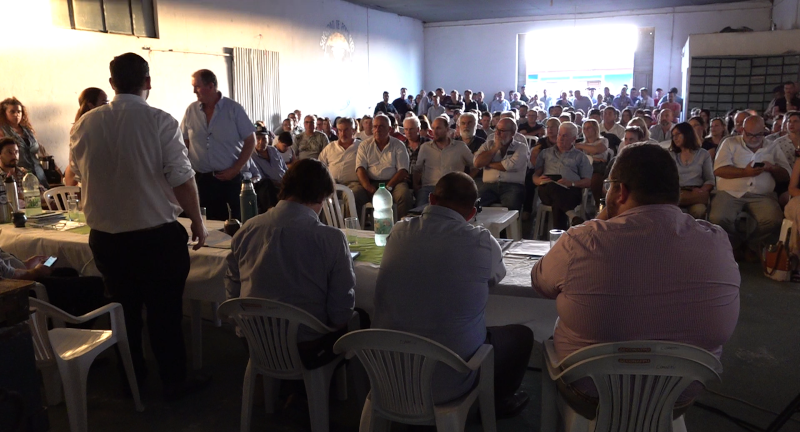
{"type": "Point", "coordinates": [337, 44]}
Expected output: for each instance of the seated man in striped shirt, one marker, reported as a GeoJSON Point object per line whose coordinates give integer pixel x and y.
{"type": "Point", "coordinates": [643, 270]}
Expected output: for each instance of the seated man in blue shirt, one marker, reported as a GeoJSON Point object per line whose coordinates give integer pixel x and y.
{"type": "Point", "coordinates": [269, 165]}
{"type": "Point", "coordinates": [434, 282]}
{"type": "Point", "coordinates": [288, 255]}
{"type": "Point", "coordinates": [562, 172]}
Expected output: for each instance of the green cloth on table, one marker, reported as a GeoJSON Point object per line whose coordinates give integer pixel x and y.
{"type": "Point", "coordinates": [369, 251]}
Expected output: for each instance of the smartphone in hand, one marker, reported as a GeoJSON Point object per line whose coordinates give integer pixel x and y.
{"type": "Point", "coordinates": [50, 261]}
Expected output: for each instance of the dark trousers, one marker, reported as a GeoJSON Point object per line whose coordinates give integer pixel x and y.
{"type": "Point", "coordinates": [148, 268]}
{"type": "Point", "coordinates": [530, 191]}
{"type": "Point", "coordinates": [562, 200]}
{"type": "Point", "coordinates": [215, 195]}
{"type": "Point", "coordinates": [512, 346]}
{"type": "Point", "coordinates": [266, 194]}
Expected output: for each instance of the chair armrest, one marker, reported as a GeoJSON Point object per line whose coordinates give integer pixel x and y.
{"type": "Point", "coordinates": [551, 359]}
{"type": "Point", "coordinates": [58, 314]}
{"type": "Point", "coordinates": [478, 358]}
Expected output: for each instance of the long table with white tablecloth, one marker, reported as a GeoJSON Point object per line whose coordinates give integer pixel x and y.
{"type": "Point", "coordinates": [513, 301]}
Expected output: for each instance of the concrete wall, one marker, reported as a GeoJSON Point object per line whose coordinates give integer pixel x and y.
{"type": "Point", "coordinates": [786, 14]}
{"type": "Point", "coordinates": [50, 66]}
{"type": "Point", "coordinates": [482, 55]}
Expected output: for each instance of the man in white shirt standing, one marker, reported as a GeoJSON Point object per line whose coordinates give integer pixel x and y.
{"type": "Point", "coordinates": [220, 138]}
{"type": "Point", "coordinates": [384, 159]}
{"type": "Point", "coordinates": [504, 162]}
{"type": "Point", "coordinates": [129, 149]}
{"type": "Point", "coordinates": [436, 158]}
{"type": "Point", "coordinates": [340, 159]}
{"type": "Point", "coordinates": [747, 168]}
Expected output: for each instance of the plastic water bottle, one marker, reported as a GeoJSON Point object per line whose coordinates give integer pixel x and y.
{"type": "Point", "coordinates": [248, 201]}
{"type": "Point", "coordinates": [382, 215]}
{"type": "Point", "coordinates": [30, 190]}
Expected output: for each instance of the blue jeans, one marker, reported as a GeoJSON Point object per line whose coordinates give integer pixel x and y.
{"type": "Point", "coordinates": [510, 195]}
{"type": "Point", "coordinates": [422, 195]}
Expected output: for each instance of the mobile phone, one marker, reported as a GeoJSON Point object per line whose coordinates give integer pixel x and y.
{"type": "Point", "coordinates": [50, 261]}
{"type": "Point", "coordinates": [758, 165]}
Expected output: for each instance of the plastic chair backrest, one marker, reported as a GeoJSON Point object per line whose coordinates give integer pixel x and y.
{"type": "Point", "coordinates": [61, 194]}
{"type": "Point", "coordinates": [42, 349]}
{"type": "Point", "coordinates": [270, 328]}
{"type": "Point", "coordinates": [333, 213]}
{"type": "Point", "coordinates": [400, 367]}
{"type": "Point", "coordinates": [350, 200]}
{"type": "Point", "coordinates": [640, 382]}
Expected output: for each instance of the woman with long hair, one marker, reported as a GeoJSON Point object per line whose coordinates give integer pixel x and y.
{"type": "Point", "coordinates": [89, 99]}
{"type": "Point", "coordinates": [15, 124]}
{"type": "Point", "coordinates": [595, 146]}
{"type": "Point", "coordinates": [695, 170]}
{"type": "Point", "coordinates": [625, 116]}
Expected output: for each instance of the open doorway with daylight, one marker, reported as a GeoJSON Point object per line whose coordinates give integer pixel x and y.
{"type": "Point", "coordinates": [545, 65]}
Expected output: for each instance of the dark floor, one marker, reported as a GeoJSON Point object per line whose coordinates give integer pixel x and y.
{"type": "Point", "coordinates": [761, 367]}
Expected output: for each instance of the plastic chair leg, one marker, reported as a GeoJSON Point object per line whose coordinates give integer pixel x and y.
{"type": "Point", "coordinates": [679, 425]}
{"type": "Point", "coordinates": [549, 408]}
{"type": "Point", "coordinates": [452, 421]}
{"type": "Point", "coordinates": [247, 398]}
{"type": "Point", "coordinates": [371, 422]}
{"type": "Point", "coordinates": [318, 385]}
{"type": "Point", "coordinates": [272, 389]}
{"type": "Point", "coordinates": [127, 362]}
{"type": "Point", "coordinates": [52, 385]}
{"type": "Point", "coordinates": [73, 376]}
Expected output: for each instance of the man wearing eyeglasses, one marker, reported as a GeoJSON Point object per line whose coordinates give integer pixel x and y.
{"type": "Point", "coordinates": [561, 173]}
{"type": "Point", "coordinates": [504, 162]}
{"type": "Point", "coordinates": [748, 168]}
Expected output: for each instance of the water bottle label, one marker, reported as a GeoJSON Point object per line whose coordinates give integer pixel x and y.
{"type": "Point", "coordinates": [383, 225]}
{"type": "Point", "coordinates": [3, 197]}
{"type": "Point", "coordinates": [33, 201]}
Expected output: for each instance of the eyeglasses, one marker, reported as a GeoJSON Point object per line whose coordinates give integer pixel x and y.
{"type": "Point", "coordinates": [504, 130]}
{"type": "Point", "coordinates": [607, 184]}
{"type": "Point", "coordinates": [758, 135]}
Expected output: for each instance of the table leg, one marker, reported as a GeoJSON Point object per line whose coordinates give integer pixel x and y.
{"type": "Point", "coordinates": [197, 334]}
{"type": "Point", "coordinates": [514, 229]}
{"type": "Point", "coordinates": [215, 317]}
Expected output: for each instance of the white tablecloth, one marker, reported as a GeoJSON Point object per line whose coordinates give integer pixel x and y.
{"type": "Point", "coordinates": [513, 301]}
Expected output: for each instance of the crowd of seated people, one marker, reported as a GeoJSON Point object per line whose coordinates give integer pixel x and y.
{"type": "Point", "coordinates": [455, 149]}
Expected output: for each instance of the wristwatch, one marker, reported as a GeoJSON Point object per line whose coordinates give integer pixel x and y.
{"type": "Point", "coordinates": [389, 188]}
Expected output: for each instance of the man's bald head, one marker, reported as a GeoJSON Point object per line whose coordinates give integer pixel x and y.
{"type": "Point", "coordinates": [456, 191]}
{"type": "Point", "coordinates": [507, 123]}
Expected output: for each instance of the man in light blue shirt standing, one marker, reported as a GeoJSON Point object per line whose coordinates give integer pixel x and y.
{"type": "Point", "coordinates": [220, 138]}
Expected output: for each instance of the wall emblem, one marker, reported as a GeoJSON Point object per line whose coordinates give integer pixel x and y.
{"type": "Point", "coordinates": [337, 44]}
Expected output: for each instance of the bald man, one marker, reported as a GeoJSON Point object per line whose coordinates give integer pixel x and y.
{"type": "Point", "coordinates": [504, 162]}
{"type": "Point", "coordinates": [748, 168]}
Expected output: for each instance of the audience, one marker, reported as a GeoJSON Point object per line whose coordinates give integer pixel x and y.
{"type": "Point", "coordinates": [499, 103]}
{"type": "Point", "coordinates": [437, 158]}
{"type": "Point", "coordinates": [270, 167]}
{"type": "Point", "coordinates": [610, 124]}
{"type": "Point", "coordinates": [414, 295]}
{"type": "Point", "coordinates": [504, 162]}
{"type": "Point", "coordinates": [15, 124]}
{"type": "Point", "coordinates": [595, 146]}
{"type": "Point", "coordinates": [219, 157]}
{"type": "Point", "coordinates": [384, 106]}
{"type": "Point", "coordinates": [748, 168]}
{"type": "Point", "coordinates": [309, 144]}
{"type": "Point", "coordinates": [695, 172]}
{"type": "Point", "coordinates": [401, 104]}
{"type": "Point", "coordinates": [614, 278]}
{"type": "Point", "coordinates": [561, 173]}
{"type": "Point", "coordinates": [662, 131]}
{"type": "Point", "coordinates": [715, 136]}
{"type": "Point", "coordinates": [383, 159]}
{"type": "Point", "coordinates": [270, 259]}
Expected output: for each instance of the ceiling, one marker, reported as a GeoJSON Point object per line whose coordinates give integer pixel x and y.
{"type": "Point", "coordinates": [462, 10]}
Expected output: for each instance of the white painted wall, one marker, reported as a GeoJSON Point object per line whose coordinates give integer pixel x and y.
{"type": "Point", "coordinates": [51, 66]}
{"type": "Point", "coordinates": [482, 55]}
{"type": "Point", "coordinates": [786, 14]}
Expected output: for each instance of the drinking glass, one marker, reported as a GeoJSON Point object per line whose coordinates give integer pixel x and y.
{"type": "Point", "coordinates": [555, 234]}
{"type": "Point", "coordinates": [351, 225]}
{"type": "Point", "coordinates": [203, 214]}
{"type": "Point", "coordinates": [73, 212]}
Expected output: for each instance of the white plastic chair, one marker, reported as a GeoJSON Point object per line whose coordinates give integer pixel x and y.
{"type": "Point", "coordinates": [544, 218]}
{"type": "Point", "coordinates": [60, 195]}
{"type": "Point", "coordinates": [74, 350]}
{"type": "Point", "coordinates": [333, 213]}
{"type": "Point", "coordinates": [270, 328]}
{"type": "Point", "coordinates": [400, 367]}
{"type": "Point", "coordinates": [638, 383]}
{"type": "Point", "coordinates": [349, 200]}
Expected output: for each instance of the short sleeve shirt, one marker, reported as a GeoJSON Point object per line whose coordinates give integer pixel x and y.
{"type": "Point", "coordinates": [382, 165]}
{"type": "Point", "coordinates": [433, 163]}
{"type": "Point", "coordinates": [309, 147]}
{"type": "Point", "coordinates": [572, 165]}
{"type": "Point", "coordinates": [216, 145]}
